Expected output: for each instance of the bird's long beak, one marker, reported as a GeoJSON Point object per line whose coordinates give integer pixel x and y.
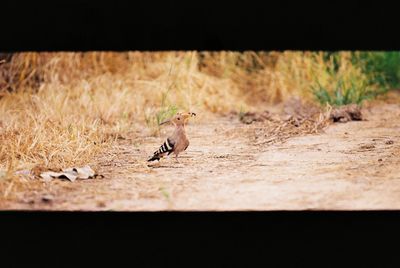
{"type": "Point", "coordinates": [167, 121]}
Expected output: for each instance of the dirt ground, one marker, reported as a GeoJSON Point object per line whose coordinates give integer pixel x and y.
{"type": "Point", "coordinates": [351, 166]}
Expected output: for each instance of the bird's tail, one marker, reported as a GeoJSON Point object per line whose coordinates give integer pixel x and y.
{"type": "Point", "coordinates": [164, 149]}
{"type": "Point", "coordinates": [154, 157]}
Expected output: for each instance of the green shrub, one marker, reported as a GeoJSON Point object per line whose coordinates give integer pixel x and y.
{"type": "Point", "coordinates": [344, 94]}
{"type": "Point", "coordinates": [166, 110]}
{"type": "Point", "coordinates": [382, 68]}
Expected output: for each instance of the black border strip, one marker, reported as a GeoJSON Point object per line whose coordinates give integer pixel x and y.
{"type": "Point", "coordinates": [201, 25]}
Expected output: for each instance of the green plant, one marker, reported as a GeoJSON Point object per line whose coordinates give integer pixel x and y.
{"type": "Point", "coordinates": [153, 120]}
{"type": "Point", "coordinates": [241, 113]}
{"type": "Point", "coordinates": [344, 94]}
{"type": "Point", "coordinates": [165, 113]}
{"type": "Point", "coordinates": [165, 193]}
{"type": "Point", "coordinates": [382, 68]}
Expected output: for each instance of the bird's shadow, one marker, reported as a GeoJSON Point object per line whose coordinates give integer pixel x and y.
{"type": "Point", "coordinates": [164, 166]}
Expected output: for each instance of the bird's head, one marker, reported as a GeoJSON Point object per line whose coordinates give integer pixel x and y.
{"type": "Point", "coordinates": [180, 119]}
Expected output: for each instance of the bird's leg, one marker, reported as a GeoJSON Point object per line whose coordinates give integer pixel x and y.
{"type": "Point", "coordinates": [176, 158]}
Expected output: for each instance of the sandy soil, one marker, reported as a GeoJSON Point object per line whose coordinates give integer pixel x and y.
{"type": "Point", "coordinates": [352, 165]}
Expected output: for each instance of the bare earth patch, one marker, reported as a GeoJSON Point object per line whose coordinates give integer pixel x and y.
{"type": "Point", "coordinates": [353, 165]}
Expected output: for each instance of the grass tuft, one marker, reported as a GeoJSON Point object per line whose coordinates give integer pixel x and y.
{"type": "Point", "coordinates": [344, 94]}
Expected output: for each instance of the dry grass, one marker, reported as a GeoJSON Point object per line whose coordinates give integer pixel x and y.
{"type": "Point", "coordinates": [63, 109]}
{"type": "Point", "coordinates": [277, 76]}
{"type": "Point", "coordinates": [86, 100]}
{"type": "Point", "coordinates": [296, 117]}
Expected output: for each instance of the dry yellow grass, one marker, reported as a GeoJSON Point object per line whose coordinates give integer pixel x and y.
{"type": "Point", "coordinates": [62, 109]}
{"type": "Point", "coordinates": [276, 76]}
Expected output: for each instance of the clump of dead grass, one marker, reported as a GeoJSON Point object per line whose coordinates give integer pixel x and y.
{"type": "Point", "coordinates": [297, 117]}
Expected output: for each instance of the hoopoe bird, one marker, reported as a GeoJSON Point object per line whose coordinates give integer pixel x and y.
{"type": "Point", "coordinates": [178, 141]}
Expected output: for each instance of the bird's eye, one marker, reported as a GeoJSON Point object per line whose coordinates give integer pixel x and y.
{"type": "Point", "coordinates": [179, 118]}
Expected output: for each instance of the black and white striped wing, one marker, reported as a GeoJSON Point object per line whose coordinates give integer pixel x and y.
{"type": "Point", "coordinates": [165, 149]}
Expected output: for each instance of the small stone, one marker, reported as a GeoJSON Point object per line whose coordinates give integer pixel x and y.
{"type": "Point", "coordinates": [380, 159]}
{"type": "Point", "coordinates": [101, 204]}
{"type": "Point", "coordinates": [367, 146]}
{"type": "Point", "coordinates": [47, 198]}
